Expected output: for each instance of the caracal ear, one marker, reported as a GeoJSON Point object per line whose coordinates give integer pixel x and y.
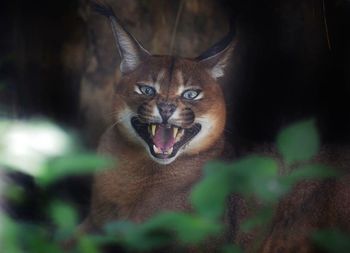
{"type": "Point", "coordinates": [131, 51]}
{"type": "Point", "coordinates": [217, 57]}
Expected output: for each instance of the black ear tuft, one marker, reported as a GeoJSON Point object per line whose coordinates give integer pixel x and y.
{"type": "Point", "coordinates": [220, 45]}
{"type": "Point", "coordinates": [131, 51]}
{"type": "Point", "coordinates": [215, 59]}
{"type": "Point", "coordinates": [102, 8]}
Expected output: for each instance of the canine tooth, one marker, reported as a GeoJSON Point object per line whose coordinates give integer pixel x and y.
{"type": "Point", "coordinates": [179, 135]}
{"type": "Point", "coordinates": [156, 150]}
{"type": "Point", "coordinates": [153, 129]}
{"type": "Point", "coordinates": [175, 130]}
{"type": "Point", "coordinates": [170, 151]}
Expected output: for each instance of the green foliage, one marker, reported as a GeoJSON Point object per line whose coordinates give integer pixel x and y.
{"type": "Point", "coordinates": [209, 197]}
{"type": "Point", "coordinates": [332, 241]}
{"type": "Point", "coordinates": [298, 142]}
{"type": "Point", "coordinates": [254, 177]}
{"type": "Point", "coordinates": [21, 237]}
{"type": "Point", "coordinates": [88, 244]}
{"type": "Point", "coordinates": [306, 172]}
{"type": "Point", "coordinates": [75, 164]}
{"type": "Point", "coordinates": [231, 249]}
{"type": "Point", "coordinates": [161, 230]}
{"type": "Point", "coordinates": [14, 193]}
{"type": "Point", "coordinates": [65, 218]}
{"type": "Point", "coordinates": [261, 218]}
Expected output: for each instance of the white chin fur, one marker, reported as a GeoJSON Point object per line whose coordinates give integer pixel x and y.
{"type": "Point", "coordinates": [163, 161]}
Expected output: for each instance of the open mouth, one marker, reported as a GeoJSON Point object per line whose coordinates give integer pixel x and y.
{"type": "Point", "coordinates": [164, 140]}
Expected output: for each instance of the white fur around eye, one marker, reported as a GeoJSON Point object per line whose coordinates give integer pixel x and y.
{"type": "Point", "coordinates": [199, 96]}
{"type": "Point", "coordinates": [137, 89]}
{"type": "Point", "coordinates": [141, 86]}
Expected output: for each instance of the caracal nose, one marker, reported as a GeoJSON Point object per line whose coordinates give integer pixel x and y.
{"type": "Point", "coordinates": [166, 110]}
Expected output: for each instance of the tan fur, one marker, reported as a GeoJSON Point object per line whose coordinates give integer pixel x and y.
{"type": "Point", "coordinates": [146, 182]}
{"type": "Point", "coordinates": [138, 187]}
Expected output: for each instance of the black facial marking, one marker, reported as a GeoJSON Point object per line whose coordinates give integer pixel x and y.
{"type": "Point", "coordinates": [154, 77]}
{"type": "Point", "coordinates": [171, 68]}
{"type": "Point", "coordinates": [144, 111]}
{"type": "Point", "coordinates": [188, 116]}
{"type": "Point", "coordinates": [171, 71]}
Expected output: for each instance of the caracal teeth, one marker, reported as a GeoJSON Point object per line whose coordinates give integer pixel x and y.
{"type": "Point", "coordinates": [170, 151]}
{"type": "Point", "coordinates": [153, 129]}
{"type": "Point", "coordinates": [175, 130]}
{"type": "Point", "coordinates": [179, 135]}
{"type": "Point", "coordinates": [156, 150]}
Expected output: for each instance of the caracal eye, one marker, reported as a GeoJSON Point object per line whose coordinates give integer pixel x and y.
{"type": "Point", "coordinates": [190, 94]}
{"type": "Point", "coordinates": [147, 90]}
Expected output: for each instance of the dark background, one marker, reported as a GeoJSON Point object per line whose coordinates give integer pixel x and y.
{"type": "Point", "coordinates": [292, 62]}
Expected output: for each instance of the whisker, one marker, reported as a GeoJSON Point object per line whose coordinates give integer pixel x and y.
{"type": "Point", "coordinates": [111, 114]}
{"type": "Point", "coordinates": [228, 131]}
{"type": "Point", "coordinates": [120, 120]}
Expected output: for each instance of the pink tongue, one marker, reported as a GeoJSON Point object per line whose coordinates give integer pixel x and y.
{"type": "Point", "coordinates": [163, 138]}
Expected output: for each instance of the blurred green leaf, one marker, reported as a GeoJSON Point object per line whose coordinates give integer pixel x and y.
{"type": "Point", "coordinates": [307, 172]}
{"type": "Point", "coordinates": [261, 218]}
{"type": "Point", "coordinates": [63, 215]}
{"type": "Point", "coordinates": [250, 176]}
{"type": "Point", "coordinates": [93, 243]}
{"type": "Point", "coordinates": [298, 142]}
{"type": "Point", "coordinates": [161, 230]}
{"type": "Point", "coordinates": [87, 245]}
{"type": "Point", "coordinates": [9, 239]}
{"type": "Point", "coordinates": [189, 229]}
{"type": "Point", "coordinates": [14, 193]}
{"type": "Point", "coordinates": [76, 164]}
{"type": "Point", "coordinates": [256, 176]}
{"type": "Point", "coordinates": [137, 236]}
{"type": "Point", "coordinates": [65, 218]}
{"type": "Point", "coordinates": [209, 196]}
{"type": "Point", "coordinates": [312, 171]}
{"type": "Point", "coordinates": [20, 237]}
{"type": "Point", "coordinates": [120, 227]}
{"type": "Point", "coordinates": [332, 241]}
{"type": "Point", "coordinates": [35, 238]}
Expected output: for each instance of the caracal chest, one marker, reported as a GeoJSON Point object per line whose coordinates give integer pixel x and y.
{"type": "Point", "coordinates": [140, 196]}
